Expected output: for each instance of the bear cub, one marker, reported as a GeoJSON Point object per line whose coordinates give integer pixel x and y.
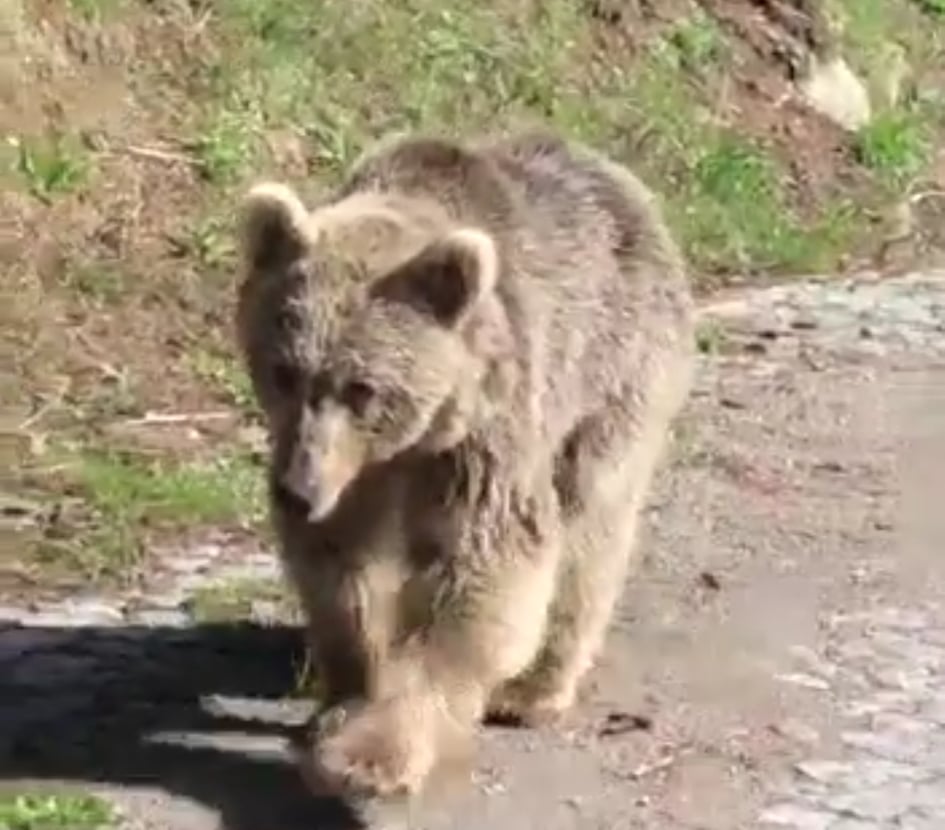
{"type": "Point", "coordinates": [468, 356]}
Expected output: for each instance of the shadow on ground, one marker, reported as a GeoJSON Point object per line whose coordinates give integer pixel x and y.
{"type": "Point", "coordinates": [127, 706]}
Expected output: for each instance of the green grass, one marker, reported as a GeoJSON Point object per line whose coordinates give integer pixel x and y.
{"type": "Point", "coordinates": [699, 41]}
{"type": "Point", "coordinates": [101, 283]}
{"type": "Point", "coordinates": [933, 7]}
{"type": "Point", "coordinates": [95, 11]}
{"type": "Point", "coordinates": [895, 145]}
{"type": "Point", "coordinates": [345, 73]}
{"type": "Point", "coordinates": [52, 164]}
{"type": "Point", "coordinates": [123, 499]}
{"type": "Point", "coordinates": [235, 599]}
{"type": "Point", "coordinates": [129, 489]}
{"type": "Point", "coordinates": [52, 811]}
{"type": "Point", "coordinates": [227, 146]}
{"type": "Point", "coordinates": [710, 337]}
{"type": "Point", "coordinates": [226, 375]}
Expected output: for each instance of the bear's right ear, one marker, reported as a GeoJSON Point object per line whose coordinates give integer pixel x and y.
{"type": "Point", "coordinates": [272, 226]}
{"type": "Point", "coordinates": [449, 278]}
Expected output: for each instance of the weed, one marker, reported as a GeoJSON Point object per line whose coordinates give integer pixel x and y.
{"type": "Point", "coordinates": [94, 11]}
{"type": "Point", "coordinates": [227, 375]}
{"type": "Point", "coordinates": [699, 42]}
{"type": "Point", "coordinates": [132, 490]}
{"type": "Point", "coordinates": [710, 337]}
{"type": "Point", "coordinates": [227, 147]}
{"type": "Point", "coordinates": [934, 7]}
{"type": "Point", "coordinates": [50, 165]}
{"type": "Point", "coordinates": [120, 499]}
{"type": "Point", "coordinates": [238, 599]}
{"type": "Point", "coordinates": [211, 244]}
{"type": "Point", "coordinates": [101, 283]}
{"type": "Point", "coordinates": [54, 811]}
{"type": "Point", "coordinates": [895, 145]}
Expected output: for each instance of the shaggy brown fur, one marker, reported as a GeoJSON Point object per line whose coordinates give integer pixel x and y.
{"type": "Point", "coordinates": [469, 357]}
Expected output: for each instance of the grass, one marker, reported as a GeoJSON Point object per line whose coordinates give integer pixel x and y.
{"type": "Point", "coordinates": [895, 144]}
{"type": "Point", "coordinates": [226, 375]}
{"type": "Point", "coordinates": [933, 7]}
{"type": "Point", "coordinates": [710, 337]}
{"type": "Point", "coordinates": [53, 811]}
{"type": "Point", "coordinates": [100, 283]}
{"type": "Point", "coordinates": [51, 165]}
{"type": "Point", "coordinates": [699, 42]}
{"type": "Point", "coordinates": [121, 500]}
{"type": "Point", "coordinates": [237, 599]}
{"type": "Point", "coordinates": [95, 11]}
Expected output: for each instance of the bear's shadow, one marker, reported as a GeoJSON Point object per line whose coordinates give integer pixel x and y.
{"type": "Point", "coordinates": [126, 706]}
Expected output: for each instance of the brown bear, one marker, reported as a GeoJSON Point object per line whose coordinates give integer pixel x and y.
{"type": "Point", "coordinates": [469, 356]}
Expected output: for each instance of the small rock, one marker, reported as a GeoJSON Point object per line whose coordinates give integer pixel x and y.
{"type": "Point", "coordinates": [834, 90]}
{"type": "Point", "coordinates": [798, 818]}
{"type": "Point", "coordinates": [806, 681]}
{"type": "Point", "coordinates": [171, 601]}
{"type": "Point", "coordinates": [826, 772]}
{"type": "Point", "coordinates": [709, 580]}
{"type": "Point", "coordinates": [162, 619]}
{"type": "Point", "coordinates": [797, 731]}
{"type": "Point", "coordinates": [620, 723]}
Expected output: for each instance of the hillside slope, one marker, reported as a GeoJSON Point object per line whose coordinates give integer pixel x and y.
{"type": "Point", "coordinates": [130, 127]}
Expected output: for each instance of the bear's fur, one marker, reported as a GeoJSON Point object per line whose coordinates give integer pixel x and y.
{"type": "Point", "coordinates": [469, 357]}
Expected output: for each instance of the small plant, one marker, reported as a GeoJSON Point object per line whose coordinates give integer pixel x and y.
{"type": "Point", "coordinates": [118, 500]}
{"type": "Point", "coordinates": [227, 375]}
{"type": "Point", "coordinates": [226, 148]}
{"type": "Point", "coordinates": [894, 144]}
{"type": "Point", "coordinates": [102, 283]}
{"type": "Point", "coordinates": [698, 42]}
{"type": "Point", "coordinates": [235, 600]}
{"type": "Point", "coordinates": [51, 811]}
{"type": "Point", "coordinates": [710, 337]}
{"type": "Point", "coordinates": [93, 11]}
{"type": "Point", "coordinates": [54, 164]}
{"type": "Point", "coordinates": [934, 7]}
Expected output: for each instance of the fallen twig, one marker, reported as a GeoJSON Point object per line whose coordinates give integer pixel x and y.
{"type": "Point", "coordinates": [170, 418]}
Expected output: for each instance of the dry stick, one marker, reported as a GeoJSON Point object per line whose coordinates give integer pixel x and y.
{"type": "Point", "coordinates": [170, 418]}
{"type": "Point", "coordinates": [155, 154]}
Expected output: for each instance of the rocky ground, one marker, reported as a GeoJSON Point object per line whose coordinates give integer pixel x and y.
{"type": "Point", "coordinates": [779, 661]}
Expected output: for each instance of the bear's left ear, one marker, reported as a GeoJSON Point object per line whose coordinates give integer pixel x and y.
{"type": "Point", "coordinates": [272, 225]}
{"type": "Point", "coordinates": [448, 278]}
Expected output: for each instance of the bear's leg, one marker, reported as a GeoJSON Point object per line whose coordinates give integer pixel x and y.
{"type": "Point", "coordinates": [607, 474]}
{"type": "Point", "coordinates": [350, 615]}
{"type": "Point", "coordinates": [487, 626]}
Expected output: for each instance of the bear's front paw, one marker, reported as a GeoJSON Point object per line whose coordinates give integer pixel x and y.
{"type": "Point", "coordinates": [384, 750]}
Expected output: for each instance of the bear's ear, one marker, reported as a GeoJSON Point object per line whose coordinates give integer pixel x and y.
{"type": "Point", "coordinates": [447, 278]}
{"type": "Point", "coordinates": [272, 225]}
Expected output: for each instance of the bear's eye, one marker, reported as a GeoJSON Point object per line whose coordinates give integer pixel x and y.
{"type": "Point", "coordinates": [358, 396]}
{"type": "Point", "coordinates": [318, 390]}
{"type": "Point", "coordinates": [285, 378]}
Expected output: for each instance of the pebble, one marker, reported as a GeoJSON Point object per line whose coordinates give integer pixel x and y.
{"type": "Point", "coordinates": [806, 681]}
{"type": "Point", "coordinates": [156, 618]}
{"type": "Point", "coordinates": [797, 818]}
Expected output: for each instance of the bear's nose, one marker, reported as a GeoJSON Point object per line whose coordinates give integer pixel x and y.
{"type": "Point", "coordinates": [301, 482]}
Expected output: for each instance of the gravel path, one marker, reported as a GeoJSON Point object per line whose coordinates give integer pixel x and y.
{"type": "Point", "coordinates": [779, 661]}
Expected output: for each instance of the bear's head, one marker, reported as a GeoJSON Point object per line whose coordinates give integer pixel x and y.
{"type": "Point", "coordinates": [367, 332]}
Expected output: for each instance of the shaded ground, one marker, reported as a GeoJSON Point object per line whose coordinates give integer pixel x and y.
{"type": "Point", "coordinates": [779, 661]}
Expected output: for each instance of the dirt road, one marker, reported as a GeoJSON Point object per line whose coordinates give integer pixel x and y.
{"type": "Point", "coordinates": [779, 660]}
